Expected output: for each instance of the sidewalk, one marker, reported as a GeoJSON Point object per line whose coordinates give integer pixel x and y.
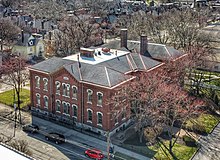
{"type": "Point", "coordinates": [73, 136]}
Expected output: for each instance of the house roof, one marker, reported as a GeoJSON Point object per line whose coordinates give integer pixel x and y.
{"type": "Point", "coordinates": [25, 42]}
{"type": "Point", "coordinates": [51, 65]}
{"type": "Point", "coordinates": [156, 51]}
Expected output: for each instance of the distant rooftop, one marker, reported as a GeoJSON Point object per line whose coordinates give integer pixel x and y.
{"type": "Point", "coordinates": [99, 56]}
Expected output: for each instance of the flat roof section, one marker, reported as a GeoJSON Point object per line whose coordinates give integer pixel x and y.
{"type": "Point", "coordinates": [10, 154]}
{"type": "Point", "coordinates": [99, 56]}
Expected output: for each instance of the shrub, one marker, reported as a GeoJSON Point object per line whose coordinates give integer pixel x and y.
{"type": "Point", "coordinates": [189, 141]}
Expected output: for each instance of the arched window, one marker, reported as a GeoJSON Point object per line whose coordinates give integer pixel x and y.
{"type": "Point", "coordinates": [89, 115]}
{"type": "Point", "coordinates": [99, 98]}
{"type": "Point", "coordinates": [89, 99]}
{"type": "Point", "coordinates": [38, 99]}
{"type": "Point", "coordinates": [37, 78]}
{"type": "Point", "coordinates": [45, 80]}
{"type": "Point", "coordinates": [57, 83]}
{"type": "Point", "coordinates": [75, 110]}
{"type": "Point", "coordinates": [58, 106]}
{"type": "Point", "coordinates": [74, 88]}
{"type": "Point", "coordinates": [66, 108]}
{"type": "Point", "coordinates": [99, 118]}
{"type": "Point", "coordinates": [45, 102]}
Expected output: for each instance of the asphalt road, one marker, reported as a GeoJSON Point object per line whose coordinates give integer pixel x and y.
{"type": "Point", "coordinates": [41, 148]}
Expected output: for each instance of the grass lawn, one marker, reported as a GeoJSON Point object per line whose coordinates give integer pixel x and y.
{"type": "Point", "coordinates": [180, 151]}
{"type": "Point", "coordinates": [8, 97]}
{"type": "Point", "coordinates": [208, 121]}
{"type": "Point", "coordinates": [120, 156]}
{"type": "Point", "coordinates": [133, 144]}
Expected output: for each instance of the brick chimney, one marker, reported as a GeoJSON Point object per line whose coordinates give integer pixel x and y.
{"type": "Point", "coordinates": [143, 44]}
{"type": "Point", "coordinates": [124, 37]}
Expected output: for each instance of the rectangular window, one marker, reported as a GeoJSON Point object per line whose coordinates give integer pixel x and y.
{"type": "Point", "coordinates": [123, 114]}
{"type": "Point", "coordinates": [58, 105]}
{"type": "Point", "coordinates": [99, 98]}
{"type": "Point", "coordinates": [45, 102]}
{"type": "Point", "coordinates": [74, 92]}
{"type": "Point", "coordinates": [89, 100]}
{"type": "Point", "coordinates": [37, 78]}
{"type": "Point", "coordinates": [45, 84]}
{"type": "Point", "coordinates": [57, 83]}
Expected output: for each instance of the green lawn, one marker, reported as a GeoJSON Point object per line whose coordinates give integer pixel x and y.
{"type": "Point", "coordinates": [8, 97]}
{"type": "Point", "coordinates": [208, 121]}
{"type": "Point", "coordinates": [180, 151]}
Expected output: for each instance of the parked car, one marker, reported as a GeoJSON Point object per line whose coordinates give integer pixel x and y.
{"type": "Point", "coordinates": [55, 137]}
{"type": "Point", "coordinates": [94, 153]}
{"type": "Point", "coordinates": [31, 128]}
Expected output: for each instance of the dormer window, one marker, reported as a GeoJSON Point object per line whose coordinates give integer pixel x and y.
{"type": "Point", "coordinates": [37, 78]}
{"type": "Point", "coordinates": [45, 80]}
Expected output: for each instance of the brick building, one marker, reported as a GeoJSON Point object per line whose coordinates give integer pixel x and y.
{"type": "Point", "coordinates": [74, 89]}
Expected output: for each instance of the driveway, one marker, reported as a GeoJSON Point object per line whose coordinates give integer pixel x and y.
{"type": "Point", "coordinates": [210, 146]}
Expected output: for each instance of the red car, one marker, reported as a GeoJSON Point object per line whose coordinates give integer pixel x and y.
{"type": "Point", "coordinates": [93, 153]}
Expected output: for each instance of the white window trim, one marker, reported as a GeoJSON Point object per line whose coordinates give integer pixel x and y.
{"type": "Point", "coordinates": [57, 100]}
{"type": "Point", "coordinates": [37, 78]}
{"type": "Point", "coordinates": [57, 83]}
{"type": "Point", "coordinates": [47, 101]}
{"type": "Point", "coordinates": [88, 109]}
{"type": "Point", "coordinates": [38, 95]}
{"type": "Point", "coordinates": [97, 98]}
{"type": "Point", "coordinates": [73, 105]}
{"type": "Point", "coordinates": [99, 124]}
{"type": "Point", "coordinates": [45, 79]}
{"type": "Point", "coordinates": [117, 121]}
{"type": "Point", "coordinates": [76, 92]}
{"type": "Point", "coordinates": [67, 107]}
{"type": "Point", "coordinates": [89, 90]}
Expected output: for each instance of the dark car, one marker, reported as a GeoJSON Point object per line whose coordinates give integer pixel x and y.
{"type": "Point", "coordinates": [31, 128]}
{"type": "Point", "coordinates": [94, 153]}
{"type": "Point", "coordinates": [55, 137]}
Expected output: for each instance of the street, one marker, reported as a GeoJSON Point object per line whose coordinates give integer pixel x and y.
{"type": "Point", "coordinates": [42, 149]}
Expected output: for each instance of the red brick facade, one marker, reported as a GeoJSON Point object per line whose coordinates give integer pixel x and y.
{"type": "Point", "coordinates": [63, 77]}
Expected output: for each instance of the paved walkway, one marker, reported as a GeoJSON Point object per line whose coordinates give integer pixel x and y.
{"type": "Point", "coordinates": [210, 146]}
{"type": "Point", "coordinates": [73, 136]}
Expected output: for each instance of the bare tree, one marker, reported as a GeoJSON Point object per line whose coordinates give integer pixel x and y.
{"type": "Point", "coordinates": [14, 74]}
{"type": "Point", "coordinates": [74, 32]}
{"type": "Point", "coordinates": [48, 9]}
{"type": "Point", "coordinates": [21, 145]}
{"type": "Point", "coordinates": [8, 32]}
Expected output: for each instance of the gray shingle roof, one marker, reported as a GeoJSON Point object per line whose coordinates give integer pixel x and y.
{"type": "Point", "coordinates": [96, 74]}
{"type": "Point", "coordinates": [51, 65]}
{"type": "Point", "coordinates": [25, 42]}
{"type": "Point", "coordinates": [156, 51]}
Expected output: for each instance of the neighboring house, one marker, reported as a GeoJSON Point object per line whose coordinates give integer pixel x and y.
{"type": "Point", "coordinates": [29, 45]}
{"type": "Point", "coordinates": [75, 90]}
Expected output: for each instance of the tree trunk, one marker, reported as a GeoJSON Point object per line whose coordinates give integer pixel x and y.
{"type": "Point", "coordinates": [171, 149]}
{"type": "Point", "coordinates": [19, 105]}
